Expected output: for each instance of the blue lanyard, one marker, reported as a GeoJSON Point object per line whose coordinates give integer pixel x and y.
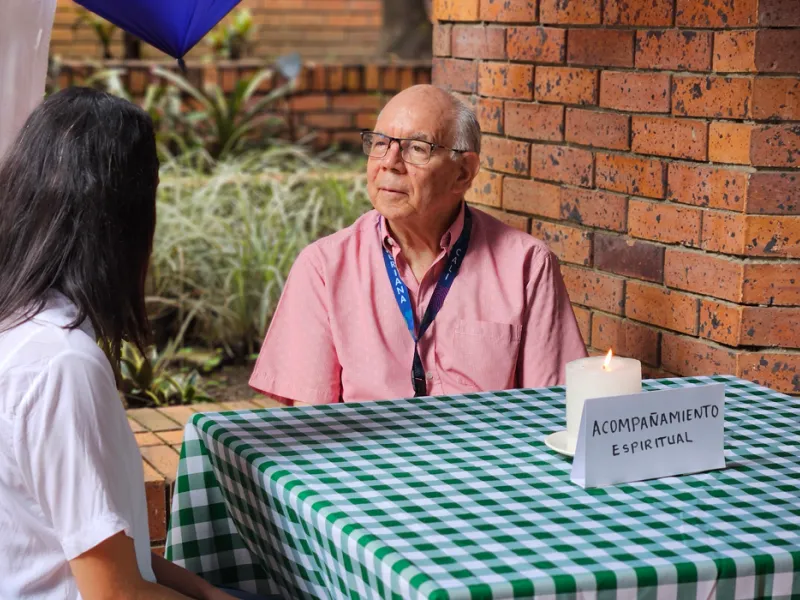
{"type": "Point", "coordinates": [453, 263]}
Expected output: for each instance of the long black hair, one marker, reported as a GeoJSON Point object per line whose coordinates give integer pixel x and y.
{"type": "Point", "coordinates": [78, 213]}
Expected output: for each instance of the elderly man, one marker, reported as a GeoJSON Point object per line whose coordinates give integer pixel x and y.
{"type": "Point", "coordinates": [423, 295]}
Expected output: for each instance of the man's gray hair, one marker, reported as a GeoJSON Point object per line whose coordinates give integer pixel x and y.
{"type": "Point", "coordinates": [466, 129]}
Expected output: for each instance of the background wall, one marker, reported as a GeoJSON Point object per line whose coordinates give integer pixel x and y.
{"type": "Point", "coordinates": [318, 29]}
{"type": "Point", "coordinates": [655, 146]}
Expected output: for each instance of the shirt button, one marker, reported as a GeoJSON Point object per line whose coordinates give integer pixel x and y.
{"type": "Point", "coordinates": [429, 375]}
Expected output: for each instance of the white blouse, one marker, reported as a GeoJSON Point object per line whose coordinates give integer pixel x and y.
{"type": "Point", "coordinates": [70, 470]}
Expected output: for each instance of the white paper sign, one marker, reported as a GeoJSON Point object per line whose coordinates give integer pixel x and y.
{"type": "Point", "coordinates": [649, 435]}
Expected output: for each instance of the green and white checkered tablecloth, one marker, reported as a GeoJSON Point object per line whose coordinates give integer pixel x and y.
{"type": "Point", "coordinates": [459, 498]}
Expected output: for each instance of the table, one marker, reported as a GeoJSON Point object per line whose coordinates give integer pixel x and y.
{"type": "Point", "coordinates": [459, 498]}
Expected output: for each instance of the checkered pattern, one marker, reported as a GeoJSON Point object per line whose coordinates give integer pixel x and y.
{"type": "Point", "coordinates": [459, 498]}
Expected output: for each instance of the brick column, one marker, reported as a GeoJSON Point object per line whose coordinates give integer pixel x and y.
{"type": "Point", "coordinates": [655, 146]}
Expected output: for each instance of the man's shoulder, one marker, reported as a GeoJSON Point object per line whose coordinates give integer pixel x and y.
{"type": "Point", "coordinates": [346, 242]}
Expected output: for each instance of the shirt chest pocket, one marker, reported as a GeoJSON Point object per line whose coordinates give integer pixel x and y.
{"type": "Point", "coordinates": [484, 354]}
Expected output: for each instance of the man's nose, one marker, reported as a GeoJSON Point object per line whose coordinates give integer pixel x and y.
{"type": "Point", "coordinates": [393, 155]}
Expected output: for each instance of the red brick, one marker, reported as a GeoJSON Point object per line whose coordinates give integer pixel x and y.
{"type": "Point", "coordinates": [729, 142]}
{"type": "Point", "coordinates": [776, 146]}
{"type": "Point", "coordinates": [623, 256]}
{"type": "Point", "coordinates": [636, 92]}
{"type": "Point", "coordinates": [147, 439]}
{"type": "Point", "coordinates": [661, 307]}
{"type": "Point", "coordinates": [779, 13]}
{"type": "Point", "coordinates": [441, 39]}
{"type": "Point", "coordinates": [666, 136]}
{"type": "Point", "coordinates": [778, 50]}
{"type": "Point", "coordinates": [664, 222]}
{"type": "Point", "coordinates": [584, 318]}
{"type": "Point", "coordinates": [594, 208]}
{"type": "Point", "coordinates": [630, 175]}
{"type": "Point", "coordinates": [537, 44]}
{"type": "Point", "coordinates": [535, 121]}
{"type": "Point", "coordinates": [585, 12]}
{"type": "Point", "coordinates": [357, 102]}
{"type": "Point", "coordinates": [155, 491]}
{"type": "Point", "coordinates": [688, 356]}
{"type": "Point", "coordinates": [594, 289]}
{"type": "Point", "coordinates": [777, 370]}
{"type": "Point", "coordinates": [720, 97]}
{"type": "Point", "coordinates": [735, 51]}
{"type": "Point", "coordinates": [776, 98]}
{"type": "Point", "coordinates": [770, 326]}
{"type": "Point", "coordinates": [309, 102]}
{"type": "Point", "coordinates": [774, 193]}
{"type": "Point", "coordinates": [772, 236]}
{"type": "Point", "coordinates": [772, 283]}
{"type": "Point", "coordinates": [477, 41]}
{"type": "Point", "coordinates": [452, 74]}
{"type": "Point", "coordinates": [366, 121]}
{"type": "Point", "coordinates": [563, 164]}
{"type": "Point", "coordinates": [720, 321]}
{"type": "Point", "coordinates": [503, 80]}
{"type": "Point", "coordinates": [569, 244]}
{"type": "Point", "coordinates": [701, 185]}
{"type": "Point", "coordinates": [703, 273]}
{"type": "Point", "coordinates": [566, 85]}
{"type": "Point", "coordinates": [505, 155]}
{"type": "Point", "coordinates": [152, 420]}
{"type": "Point", "coordinates": [600, 47]}
{"type": "Point", "coordinates": [673, 49]}
{"type": "Point", "coordinates": [599, 129]}
{"type": "Point", "coordinates": [523, 11]}
{"type": "Point", "coordinates": [164, 459]}
{"type": "Point", "coordinates": [328, 120]}
{"type": "Point", "coordinates": [456, 10]}
{"type": "Point", "coordinates": [533, 197]}
{"type": "Point", "coordinates": [626, 338]}
{"type": "Point", "coordinates": [487, 188]}
{"type": "Point", "coordinates": [516, 221]}
{"type": "Point", "coordinates": [724, 232]}
{"type": "Point", "coordinates": [716, 13]}
{"type": "Point", "coordinates": [490, 115]}
{"type": "Point", "coordinates": [642, 13]}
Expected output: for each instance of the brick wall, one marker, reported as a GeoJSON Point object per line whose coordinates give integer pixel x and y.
{"type": "Point", "coordinates": [655, 146]}
{"type": "Point", "coordinates": [318, 29]}
{"type": "Point", "coordinates": [331, 102]}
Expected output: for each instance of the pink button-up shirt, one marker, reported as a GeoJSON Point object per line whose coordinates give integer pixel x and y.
{"type": "Point", "coordinates": [338, 334]}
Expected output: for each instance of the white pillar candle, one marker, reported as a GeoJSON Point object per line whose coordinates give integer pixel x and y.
{"type": "Point", "coordinates": [598, 377]}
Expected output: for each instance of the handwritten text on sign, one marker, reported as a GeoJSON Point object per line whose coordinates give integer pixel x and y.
{"type": "Point", "coordinates": [648, 435]}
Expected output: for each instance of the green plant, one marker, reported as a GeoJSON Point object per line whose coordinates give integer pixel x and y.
{"type": "Point", "coordinates": [147, 380]}
{"type": "Point", "coordinates": [102, 29]}
{"type": "Point", "coordinates": [233, 40]}
{"type": "Point", "coordinates": [225, 240]}
{"type": "Point", "coordinates": [223, 124]}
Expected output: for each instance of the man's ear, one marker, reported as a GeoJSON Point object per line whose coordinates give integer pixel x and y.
{"type": "Point", "coordinates": [470, 165]}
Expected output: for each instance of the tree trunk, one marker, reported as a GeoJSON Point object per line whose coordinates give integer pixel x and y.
{"type": "Point", "coordinates": [407, 29]}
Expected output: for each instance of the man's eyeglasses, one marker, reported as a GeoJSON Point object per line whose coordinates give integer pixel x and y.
{"type": "Point", "coordinates": [414, 152]}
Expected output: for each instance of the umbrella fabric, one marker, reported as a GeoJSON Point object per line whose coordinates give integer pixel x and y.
{"type": "Point", "coordinates": [172, 26]}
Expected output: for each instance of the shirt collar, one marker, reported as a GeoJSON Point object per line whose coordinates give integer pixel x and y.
{"type": "Point", "coordinates": [446, 243]}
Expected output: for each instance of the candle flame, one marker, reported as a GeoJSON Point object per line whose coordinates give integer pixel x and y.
{"type": "Point", "coordinates": [607, 361]}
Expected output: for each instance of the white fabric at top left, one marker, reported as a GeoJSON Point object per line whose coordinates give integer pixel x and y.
{"type": "Point", "coordinates": [70, 471]}
{"type": "Point", "coordinates": [25, 28]}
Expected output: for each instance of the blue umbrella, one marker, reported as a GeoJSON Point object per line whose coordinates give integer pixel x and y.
{"type": "Point", "coordinates": [172, 26]}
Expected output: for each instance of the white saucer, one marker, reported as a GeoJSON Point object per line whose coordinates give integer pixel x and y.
{"type": "Point", "coordinates": [558, 441]}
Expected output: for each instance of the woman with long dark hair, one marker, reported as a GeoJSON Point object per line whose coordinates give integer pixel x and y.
{"type": "Point", "coordinates": [77, 217]}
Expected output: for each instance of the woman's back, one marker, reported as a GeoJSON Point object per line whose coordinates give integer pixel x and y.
{"type": "Point", "coordinates": [70, 470]}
